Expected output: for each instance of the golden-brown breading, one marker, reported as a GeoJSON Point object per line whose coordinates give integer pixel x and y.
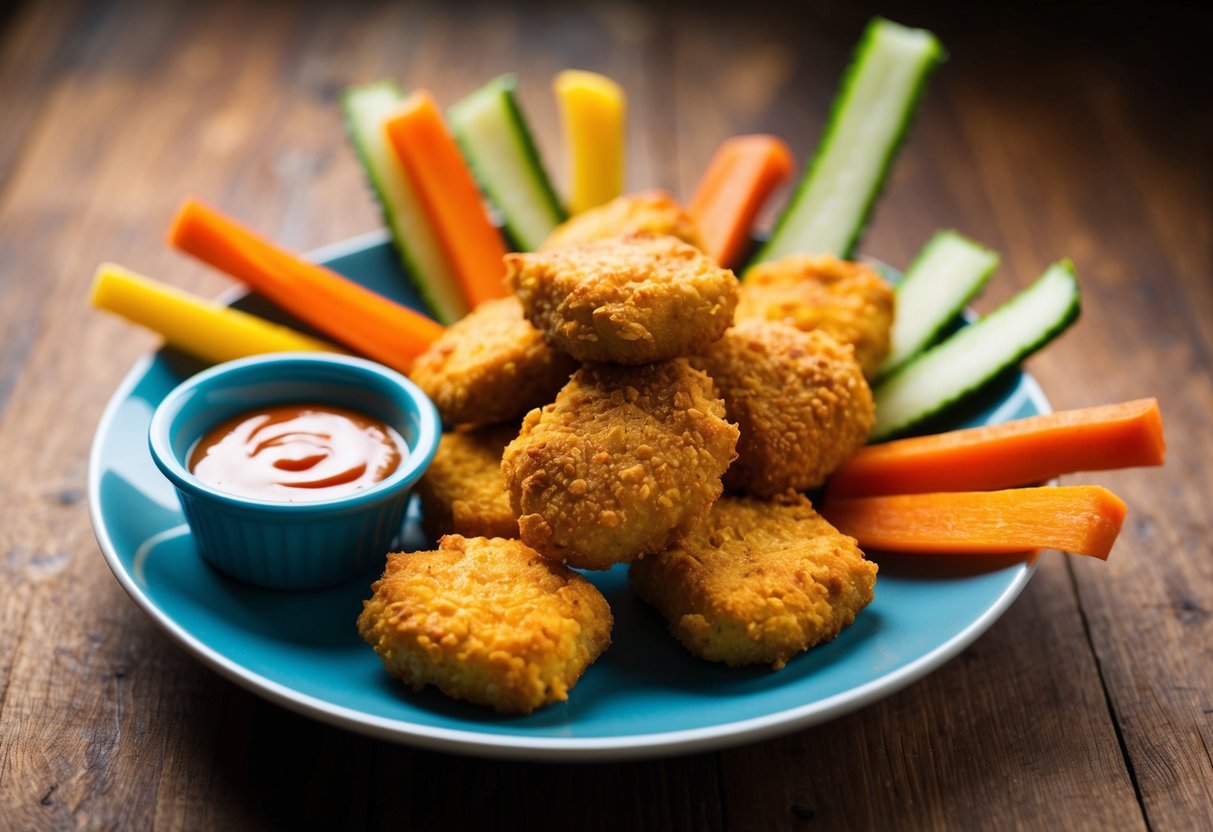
{"type": "Point", "coordinates": [655, 211]}
{"type": "Point", "coordinates": [757, 582]}
{"type": "Point", "coordinates": [799, 399]}
{"type": "Point", "coordinates": [491, 366]}
{"type": "Point", "coordinates": [628, 300]}
{"type": "Point", "coordinates": [486, 620]}
{"type": "Point", "coordinates": [463, 491]}
{"type": "Point", "coordinates": [625, 462]}
{"type": "Point", "coordinates": [846, 299]}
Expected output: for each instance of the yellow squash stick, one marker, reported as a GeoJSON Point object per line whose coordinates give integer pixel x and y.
{"type": "Point", "coordinates": [203, 328]}
{"type": "Point", "coordinates": [593, 109]}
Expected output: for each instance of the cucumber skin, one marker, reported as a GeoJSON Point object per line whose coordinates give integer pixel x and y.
{"type": "Point", "coordinates": [1068, 317]}
{"type": "Point", "coordinates": [506, 85]}
{"type": "Point", "coordinates": [837, 107]}
{"type": "Point", "coordinates": [411, 270]}
{"type": "Point", "coordinates": [953, 314]}
{"type": "Point", "coordinates": [532, 152]}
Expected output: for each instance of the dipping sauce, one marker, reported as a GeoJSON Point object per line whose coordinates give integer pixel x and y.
{"type": "Point", "coordinates": [297, 452]}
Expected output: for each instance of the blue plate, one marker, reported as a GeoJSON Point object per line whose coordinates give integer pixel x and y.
{"type": "Point", "coordinates": [646, 696]}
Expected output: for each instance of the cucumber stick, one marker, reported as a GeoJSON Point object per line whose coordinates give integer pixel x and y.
{"type": "Point", "coordinates": [976, 354]}
{"type": "Point", "coordinates": [948, 273]}
{"type": "Point", "coordinates": [867, 122]}
{"type": "Point", "coordinates": [497, 143]}
{"type": "Point", "coordinates": [366, 108]}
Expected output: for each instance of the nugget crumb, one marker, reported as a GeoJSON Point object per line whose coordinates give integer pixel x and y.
{"type": "Point", "coordinates": [585, 493]}
{"type": "Point", "coordinates": [655, 211]}
{"type": "Point", "coordinates": [757, 582]}
{"type": "Point", "coordinates": [799, 399]}
{"type": "Point", "coordinates": [486, 620]}
{"type": "Point", "coordinates": [463, 491]}
{"type": "Point", "coordinates": [491, 366]}
{"type": "Point", "coordinates": [848, 300]}
{"type": "Point", "coordinates": [629, 300]}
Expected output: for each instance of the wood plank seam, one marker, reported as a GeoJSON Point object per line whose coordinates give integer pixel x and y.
{"type": "Point", "coordinates": [8, 670]}
{"type": "Point", "coordinates": [1103, 683]}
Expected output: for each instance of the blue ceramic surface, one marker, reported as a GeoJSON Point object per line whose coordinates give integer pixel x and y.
{"type": "Point", "coordinates": [645, 696]}
{"type": "Point", "coordinates": [295, 545]}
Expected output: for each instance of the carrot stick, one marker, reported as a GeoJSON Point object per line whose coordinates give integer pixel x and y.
{"type": "Point", "coordinates": [368, 322]}
{"type": "Point", "coordinates": [1025, 451]}
{"type": "Point", "coordinates": [450, 196]}
{"type": "Point", "coordinates": [738, 180]}
{"type": "Point", "coordinates": [1082, 519]}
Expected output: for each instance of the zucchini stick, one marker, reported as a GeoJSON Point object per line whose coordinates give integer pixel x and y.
{"type": "Point", "coordinates": [367, 107]}
{"type": "Point", "coordinates": [870, 116]}
{"type": "Point", "coordinates": [948, 273]}
{"type": "Point", "coordinates": [494, 136]}
{"type": "Point", "coordinates": [978, 353]}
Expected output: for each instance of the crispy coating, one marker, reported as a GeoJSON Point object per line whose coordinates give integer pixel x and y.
{"type": "Point", "coordinates": [799, 399]}
{"type": "Point", "coordinates": [492, 366]}
{"type": "Point", "coordinates": [654, 210]}
{"type": "Point", "coordinates": [486, 620]}
{"type": "Point", "coordinates": [463, 491]}
{"type": "Point", "coordinates": [625, 462]}
{"type": "Point", "coordinates": [628, 300]}
{"type": "Point", "coordinates": [757, 582]}
{"type": "Point", "coordinates": [846, 299]}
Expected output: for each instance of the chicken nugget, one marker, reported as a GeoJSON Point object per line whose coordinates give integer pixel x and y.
{"type": "Point", "coordinates": [625, 462]}
{"type": "Point", "coordinates": [486, 620]}
{"type": "Point", "coordinates": [799, 399]}
{"type": "Point", "coordinates": [491, 366]}
{"type": "Point", "coordinates": [463, 491]}
{"type": "Point", "coordinates": [628, 300]}
{"type": "Point", "coordinates": [846, 299]}
{"type": "Point", "coordinates": [757, 582]}
{"type": "Point", "coordinates": [654, 210]}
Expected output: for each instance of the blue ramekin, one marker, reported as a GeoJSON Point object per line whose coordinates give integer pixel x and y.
{"type": "Point", "coordinates": [301, 545]}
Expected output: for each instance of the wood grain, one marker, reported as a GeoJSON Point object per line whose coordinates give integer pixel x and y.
{"type": "Point", "coordinates": [1136, 223]}
{"type": "Point", "coordinates": [1088, 705]}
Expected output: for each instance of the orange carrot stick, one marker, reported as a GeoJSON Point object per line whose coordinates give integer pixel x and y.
{"type": "Point", "coordinates": [1025, 451]}
{"type": "Point", "coordinates": [367, 321]}
{"type": "Point", "coordinates": [450, 196]}
{"type": "Point", "coordinates": [740, 177]}
{"type": "Point", "coordinates": [1082, 519]}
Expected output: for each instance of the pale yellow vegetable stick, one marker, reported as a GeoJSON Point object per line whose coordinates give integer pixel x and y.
{"type": "Point", "coordinates": [593, 110]}
{"type": "Point", "coordinates": [203, 328]}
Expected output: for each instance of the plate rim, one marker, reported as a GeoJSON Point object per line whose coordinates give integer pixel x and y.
{"type": "Point", "coordinates": [513, 746]}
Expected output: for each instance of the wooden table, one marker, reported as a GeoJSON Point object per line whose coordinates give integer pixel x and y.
{"type": "Point", "coordinates": [1088, 705]}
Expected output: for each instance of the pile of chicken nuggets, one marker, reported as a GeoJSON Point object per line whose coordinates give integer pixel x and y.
{"type": "Point", "coordinates": [596, 416]}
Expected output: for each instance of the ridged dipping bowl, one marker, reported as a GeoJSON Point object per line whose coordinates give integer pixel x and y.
{"type": "Point", "coordinates": [293, 545]}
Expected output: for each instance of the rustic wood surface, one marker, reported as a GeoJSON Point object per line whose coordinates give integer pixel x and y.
{"type": "Point", "coordinates": [1076, 131]}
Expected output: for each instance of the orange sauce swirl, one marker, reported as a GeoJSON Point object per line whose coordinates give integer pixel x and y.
{"type": "Point", "coordinates": [297, 452]}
